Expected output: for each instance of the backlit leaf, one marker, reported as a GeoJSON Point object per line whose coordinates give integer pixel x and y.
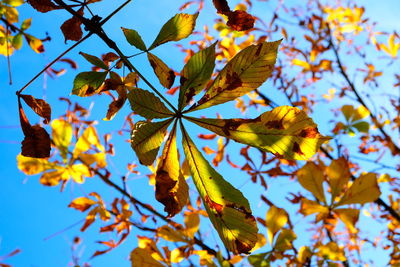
{"type": "Point", "coordinates": [178, 27]}
{"type": "Point", "coordinates": [89, 139]}
{"type": "Point", "coordinates": [248, 70]}
{"type": "Point", "coordinates": [192, 223]}
{"type": "Point", "coordinates": [285, 239]}
{"type": "Point", "coordinates": [170, 234]}
{"type": "Point", "coordinates": [339, 174]}
{"type": "Point", "coordinates": [53, 178]}
{"type": "Point", "coordinates": [147, 105]}
{"type": "Point", "coordinates": [82, 203]}
{"type": "Point", "coordinates": [146, 139]}
{"type": "Point", "coordinates": [71, 28]}
{"type": "Point", "coordinates": [363, 190]}
{"type": "Point", "coordinates": [141, 257]}
{"type": "Point", "coordinates": [88, 83]}
{"type": "Point", "coordinates": [35, 43]}
{"type": "Point", "coordinates": [311, 178]}
{"type": "Point", "coordinates": [331, 251]}
{"type": "Point", "coordinates": [310, 207]}
{"type": "Point", "coordinates": [285, 131]}
{"type": "Point", "coordinates": [195, 74]}
{"type": "Point", "coordinates": [134, 38]}
{"type": "Point", "coordinates": [171, 187]}
{"type": "Point", "coordinates": [94, 60]}
{"type": "Point", "coordinates": [31, 166]}
{"type": "Point", "coordinates": [165, 75]}
{"type": "Point", "coordinates": [276, 219]}
{"type": "Point", "coordinates": [227, 208]}
{"type": "Point", "coordinates": [349, 217]}
{"type": "Point", "coordinates": [37, 143]}
{"type": "Point", "coordinates": [39, 106]}
{"type": "Point", "coordinates": [61, 135]}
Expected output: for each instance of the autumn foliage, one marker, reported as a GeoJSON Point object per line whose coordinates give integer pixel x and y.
{"type": "Point", "coordinates": [342, 171]}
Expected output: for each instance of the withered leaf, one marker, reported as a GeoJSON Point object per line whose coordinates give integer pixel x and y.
{"type": "Point", "coordinates": [36, 143]}
{"type": "Point", "coordinates": [43, 5]}
{"type": "Point", "coordinates": [72, 28]}
{"type": "Point", "coordinates": [240, 20]}
{"type": "Point", "coordinates": [222, 6]}
{"type": "Point", "coordinates": [39, 106]}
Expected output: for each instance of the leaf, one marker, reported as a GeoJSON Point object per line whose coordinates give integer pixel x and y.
{"type": "Point", "coordinates": [310, 207]}
{"type": "Point", "coordinates": [349, 217]}
{"type": "Point", "coordinates": [61, 135]}
{"type": "Point", "coordinates": [285, 131]}
{"type": "Point", "coordinates": [39, 106]}
{"type": "Point", "coordinates": [26, 24]}
{"type": "Point", "coordinates": [195, 74]}
{"type": "Point", "coordinates": [88, 83]}
{"type": "Point", "coordinates": [146, 139]}
{"type": "Point", "coordinates": [363, 190]}
{"type": "Point", "coordinates": [37, 143]}
{"type": "Point", "coordinates": [17, 41]}
{"type": "Point", "coordinates": [165, 75]}
{"type": "Point", "coordinates": [275, 221]}
{"type": "Point", "coordinates": [177, 28]}
{"type": "Point", "coordinates": [240, 20]}
{"type": "Point", "coordinates": [94, 60]}
{"type": "Point", "coordinates": [221, 6]}
{"type": "Point", "coordinates": [43, 5]}
{"type": "Point", "coordinates": [227, 208]}
{"type": "Point", "coordinates": [258, 260]}
{"type": "Point", "coordinates": [248, 70]}
{"type": "Point", "coordinates": [170, 234]}
{"type": "Point", "coordinates": [117, 104]}
{"type": "Point", "coordinates": [71, 28]}
{"type": "Point", "coordinates": [147, 105]}
{"type": "Point", "coordinates": [31, 166]}
{"type": "Point", "coordinates": [285, 240]}
{"type": "Point", "coordinates": [311, 178]}
{"type": "Point", "coordinates": [331, 251]}
{"type": "Point", "coordinates": [87, 140]}
{"type": "Point", "coordinates": [134, 38]}
{"type": "Point", "coordinates": [53, 178]}
{"type": "Point", "coordinates": [192, 223]}
{"type": "Point", "coordinates": [339, 174]}
{"type": "Point", "coordinates": [35, 43]}
{"type": "Point", "coordinates": [98, 158]}
{"type": "Point", "coordinates": [171, 188]}
{"type": "Point", "coordinates": [140, 257]}
{"type": "Point", "coordinates": [82, 203]}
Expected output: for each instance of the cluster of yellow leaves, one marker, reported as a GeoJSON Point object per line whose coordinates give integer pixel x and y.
{"type": "Point", "coordinates": [363, 190]}
{"type": "Point", "coordinates": [345, 19]}
{"type": "Point", "coordinates": [392, 47]}
{"type": "Point", "coordinates": [55, 172]}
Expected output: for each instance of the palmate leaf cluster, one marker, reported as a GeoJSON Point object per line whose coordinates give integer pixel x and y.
{"type": "Point", "coordinates": [285, 131]}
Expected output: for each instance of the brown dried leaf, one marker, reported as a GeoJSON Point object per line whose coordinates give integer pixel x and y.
{"type": "Point", "coordinates": [36, 143]}
{"type": "Point", "coordinates": [39, 106]}
{"type": "Point", "coordinates": [72, 28]}
{"type": "Point", "coordinates": [222, 6]}
{"type": "Point", "coordinates": [240, 20]}
{"type": "Point", "coordinates": [43, 5]}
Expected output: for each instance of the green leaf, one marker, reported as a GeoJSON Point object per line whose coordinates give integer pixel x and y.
{"type": "Point", "coordinates": [361, 126]}
{"type": "Point", "coordinates": [248, 70]}
{"type": "Point", "coordinates": [227, 208]}
{"type": "Point", "coordinates": [177, 28]}
{"type": "Point", "coordinates": [17, 41]}
{"type": "Point", "coordinates": [285, 240]}
{"type": "Point", "coordinates": [146, 139]}
{"type": "Point", "coordinates": [196, 73]}
{"type": "Point", "coordinates": [26, 24]}
{"type": "Point", "coordinates": [363, 190]}
{"type": "Point", "coordinates": [171, 187]}
{"type": "Point", "coordinates": [134, 38]}
{"type": "Point", "coordinates": [165, 75]}
{"type": "Point", "coordinates": [87, 83]}
{"type": "Point", "coordinates": [94, 60]}
{"type": "Point", "coordinates": [147, 105]}
{"type": "Point", "coordinates": [285, 131]}
{"type": "Point", "coordinates": [258, 260]}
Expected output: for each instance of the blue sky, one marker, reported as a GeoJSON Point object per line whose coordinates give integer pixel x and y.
{"type": "Point", "coordinates": [31, 212]}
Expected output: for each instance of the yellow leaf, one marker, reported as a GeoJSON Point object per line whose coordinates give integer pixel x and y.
{"type": "Point", "coordinates": [31, 166]}
{"type": "Point", "coordinates": [285, 131]}
{"type": "Point", "coordinates": [285, 240]}
{"type": "Point", "coordinates": [205, 258]}
{"type": "Point", "coordinates": [309, 207]}
{"type": "Point", "coordinates": [261, 241]}
{"type": "Point", "coordinates": [165, 75]}
{"type": "Point", "coordinates": [170, 234]}
{"type": "Point", "coordinates": [178, 27]}
{"type": "Point", "coordinates": [146, 139]}
{"type": "Point", "coordinates": [141, 257]}
{"type": "Point", "coordinates": [275, 221]}
{"type": "Point", "coordinates": [61, 135]}
{"type": "Point", "coordinates": [177, 255]}
{"type": "Point", "coordinates": [192, 223]}
{"type": "Point", "coordinates": [53, 178]}
{"type": "Point", "coordinates": [339, 174]}
{"type": "Point", "coordinates": [82, 203]}
{"type": "Point", "coordinates": [363, 190]}
{"type": "Point", "coordinates": [78, 172]}
{"type": "Point", "coordinates": [150, 246]}
{"type": "Point", "coordinates": [349, 217]}
{"type": "Point", "coordinates": [304, 254]}
{"type": "Point", "coordinates": [171, 187]}
{"type": "Point", "coordinates": [305, 65]}
{"type": "Point", "coordinates": [99, 158]}
{"type": "Point", "coordinates": [331, 251]}
{"type": "Point", "coordinates": [311, 177]}
{"type": "Point", "coordinates": [87, 140]}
